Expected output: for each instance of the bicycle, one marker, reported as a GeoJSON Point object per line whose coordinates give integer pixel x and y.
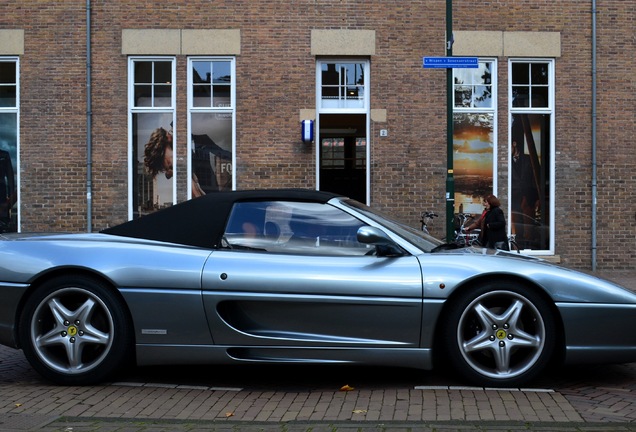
{"type": "Point", "coordinates": [425, 218]}
{"type": "Point", "coordinates": [512, 243]}
{"type": "Point", "coordinates": [462, 237]}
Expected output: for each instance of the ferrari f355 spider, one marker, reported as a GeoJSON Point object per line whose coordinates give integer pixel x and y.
{"type": "Point", "coordinates": [296, 276]}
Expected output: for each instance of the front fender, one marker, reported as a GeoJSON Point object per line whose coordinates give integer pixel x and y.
{"type": "Point", "coordinates": [444, 273]}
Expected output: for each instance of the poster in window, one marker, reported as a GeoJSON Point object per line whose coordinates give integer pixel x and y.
{"type": "Point", "coordinates": [8, 172]}
{"type": "Point", "coordinates": [211, 156]}
{"type": "Point", "coordinates": [529, 180]}
{"type": "Point", "coordinates": [472, 160]}
{"type": "Point", "coordinates": [153, 162]}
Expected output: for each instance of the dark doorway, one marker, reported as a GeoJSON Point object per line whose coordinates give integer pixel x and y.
{"type": "Point", "coordinates": [343, 155]}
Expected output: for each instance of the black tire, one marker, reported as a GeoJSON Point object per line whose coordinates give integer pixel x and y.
{"type": "Point", "coordinates": [499, 334]}
{"type": "Point", "coordinates": [75, 331]}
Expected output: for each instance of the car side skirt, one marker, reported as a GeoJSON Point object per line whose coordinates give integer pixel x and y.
{"type": "Point", "coordinates": [149, 355]}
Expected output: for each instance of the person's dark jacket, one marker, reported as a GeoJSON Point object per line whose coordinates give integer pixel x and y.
{"type": "Point", "coordinates": [494, 229]}
{"type": "Point", "coordinates": [7, 185]}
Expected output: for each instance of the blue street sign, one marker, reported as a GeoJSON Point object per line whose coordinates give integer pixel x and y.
{"type": "Point", "coordinates": [450, 62]}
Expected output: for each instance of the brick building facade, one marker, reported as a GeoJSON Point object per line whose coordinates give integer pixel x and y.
{"type": "Point", "coordinates": [246, 73]}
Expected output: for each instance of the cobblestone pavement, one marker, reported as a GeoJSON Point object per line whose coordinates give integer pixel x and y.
{"type": "Point", "coordinates": [586, 399]}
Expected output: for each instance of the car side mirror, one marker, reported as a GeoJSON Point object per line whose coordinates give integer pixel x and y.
{"type": "Point", "coordinates": [384, 245]}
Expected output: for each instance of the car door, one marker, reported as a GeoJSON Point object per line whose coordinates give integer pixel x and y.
{"type": "Point", "coordinates": [310, 283]}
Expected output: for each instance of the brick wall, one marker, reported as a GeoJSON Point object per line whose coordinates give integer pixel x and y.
{"type": "Point", "coordinates": [276, 78]}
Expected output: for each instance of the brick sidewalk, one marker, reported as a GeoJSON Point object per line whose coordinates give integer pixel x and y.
{"type": "Point", "coordinates": [159, 402]}
{"type": "Point", "coordinates": [28, 402]}
{"type": "Point", "coordinates": [32, 404]}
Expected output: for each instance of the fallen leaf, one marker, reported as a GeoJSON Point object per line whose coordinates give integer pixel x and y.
{"type": "Point", "coordinates": [359, 411]}
{"type": "Point", "coordinates": [346, 387]}
{"type": "Point", "coordinates": [229, 414]}
{"type": "Point", "coordinates": [18, 405]}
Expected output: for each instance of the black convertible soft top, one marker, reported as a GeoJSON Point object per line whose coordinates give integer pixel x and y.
{"type": "Point", "coordinates": [200, 221]}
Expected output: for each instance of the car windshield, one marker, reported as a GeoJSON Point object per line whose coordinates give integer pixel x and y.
{"type": "Point", "coordinates": [418, 238]}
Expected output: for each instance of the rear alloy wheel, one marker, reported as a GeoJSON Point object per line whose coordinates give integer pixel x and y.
{"type": "Point", "coordinates": [74, 331]}
{"type": "Point", "coordinates": [499, 334]}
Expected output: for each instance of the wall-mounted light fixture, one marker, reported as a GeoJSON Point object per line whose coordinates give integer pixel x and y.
{"type": "Point", "coordinates": [307, 131]}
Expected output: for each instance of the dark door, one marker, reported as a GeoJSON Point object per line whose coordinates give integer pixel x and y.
{"type": "Point", "coordinates": [343, 155]}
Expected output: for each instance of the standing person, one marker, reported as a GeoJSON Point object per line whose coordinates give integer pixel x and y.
{"type": "Point", "coordinates": [7, 189]}
{"type": "Point", "coordinates": [493, 225]}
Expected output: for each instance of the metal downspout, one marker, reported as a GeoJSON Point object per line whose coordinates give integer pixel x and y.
{"type": "Point", "coordinates": [89, 117]}
{"type": "Point", "coordinates": [594, 163]}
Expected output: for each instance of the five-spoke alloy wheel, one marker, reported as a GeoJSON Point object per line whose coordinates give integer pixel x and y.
{"type": "Point", "coordinates": [74, 331]}
{"type": "Point", "coordinates": [499, 334]}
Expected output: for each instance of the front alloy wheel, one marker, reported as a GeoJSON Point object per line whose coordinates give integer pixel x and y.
{"type": "Point", "coordinates": [500, 335]}
{"type": "Point", "coordinates": [74, 331]}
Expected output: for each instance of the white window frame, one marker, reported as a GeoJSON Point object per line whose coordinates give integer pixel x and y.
{"type": "Point", "coordinates": [365, 109]}
{"type": "Point", "coordinates": [141, 110]}
{"type": "Point", "coordinates": [15, 110]}
{"type": "Point", "coordinates": [221, 110]}
{"type": "Point", "coordinates": [550, 109]}
{"type": "Point", "coordinates": [340, 110]}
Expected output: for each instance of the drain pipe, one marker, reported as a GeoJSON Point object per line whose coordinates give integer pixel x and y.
{"type": "Point", "coordinates": [594, 163]}
{"type": "Point", "coordinates": [89, 121]}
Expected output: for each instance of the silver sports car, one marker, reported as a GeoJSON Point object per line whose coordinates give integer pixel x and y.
{"type": "Point", "coordinates": [296, 276]}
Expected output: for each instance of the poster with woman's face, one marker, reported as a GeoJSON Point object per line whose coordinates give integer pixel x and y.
{"type": "Point", "coordinates": [153, 165]}
{"type": "Point", "coordinates": [472, 160]}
